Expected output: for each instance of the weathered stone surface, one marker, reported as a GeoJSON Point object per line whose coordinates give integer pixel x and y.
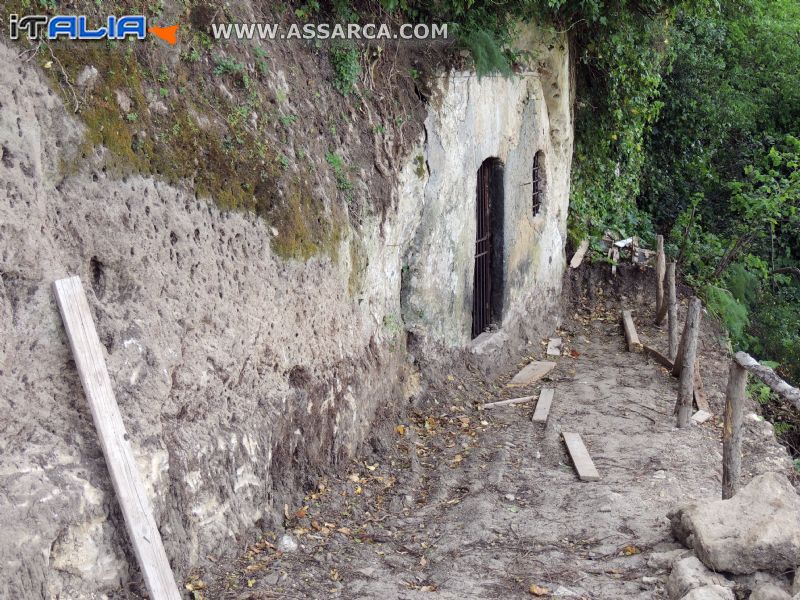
{"type": "Point", "coordinates": [665, 560]}
{"type": "Point", "coordinates": [769, 591]}
{"type": "Point", "coordinates": [753, 581]}
{"type": "Point", "coordinates": [756, 530]}
{"type": "Point", "coordinates": [709, 592]}
{"type": "Point", "coordinates": [688, 574]}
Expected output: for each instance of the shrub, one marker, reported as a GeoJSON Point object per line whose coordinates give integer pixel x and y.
{"type": "Point", "coordinates": [346, 68]}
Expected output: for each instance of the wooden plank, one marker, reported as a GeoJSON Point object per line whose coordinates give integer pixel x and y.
{"type": "Point", "coordinates": [634, 345]}
{"type": "Point", "coordinates": [769, 377]}
{"type": "Point", "coordinates": [658, 357]}
{"type": "Point", "coordinates": [543, 405]}
{"type": "Point", "coordinates": [577, 258]}
{"type": "Point", "coordinates": [133, 501]}
{"type": "Point", "coordinates": [554, 347]}
{"type": "Point", "coordinates": [732, 430]}
{"type": "Point", "coordinates": [508, 402]}
{"type": "Point", "coordinates": [533, 372]}
{"type": "Point", "coordinates": [700, 397]}
{"type": "Point", "coordinates": [580, 457]}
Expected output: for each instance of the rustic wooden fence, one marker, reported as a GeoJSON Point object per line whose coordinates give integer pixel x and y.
{"type": "Point", "coordinates": [742, 365]}
{"type": "Point", "coordinates": [682, 361]}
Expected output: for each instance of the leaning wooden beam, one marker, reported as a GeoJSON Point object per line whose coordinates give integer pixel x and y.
{"type": "Point", "coordinates": [692, 315]}
{"type": "Point", "coordinates": [577, 258]}
{"type": "Point", "coordinates": [634, 345]}
{"type": "Point", "coordinates": [661, 267]}
{"type": "Point", "coordinates": [686, 383]}
{"type": "Point", "coordinates": [133, 501]}
{"type": "Point", "coordinates": [658, 357]}
{"type": "Point", "coordinates": [672, 311]}
{"type": "Point", "coordinates": [768, 376]}
{"type": "Point", "coordinates": [732, 430]}
{"type": "Point", "coordinates": [580, 457]}
{"type": "Point", "coordinates": [508, 402]}
{"type": "Point", "coordinates": [700, 397]}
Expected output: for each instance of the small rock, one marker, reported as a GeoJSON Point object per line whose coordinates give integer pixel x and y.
{"type": "Point", "coordinates": [554, 347]}
{"type": "Point", "coordinates": [710, 592]}
{"type": "Point", "coordinates": [689, 574]}
{"type": "Point", "coordinates": [756, 530]}
{"type": "Point", "coordinates": [123, 101]}
{"type": "Point", "coordinates": [562, 592]}
{"type": "Point", "coordinates": [87, 77]}
{"type": "Point", "coordinates": [225, 92]}
{"type": "Point", "coordinates": [159, 108]}
{"type": "Point", "coordinates": [660, 475]}
{"type": "Point", "coordinates": [287, 544]}
{"type": "Point", "coordinates": [769, 591]}
{"type": "Point", "coordinates": [510, 497]}
{"type": "Point", "coordinates": [665, 560]}
{"type": "Point", "coordinates": [701, 416]}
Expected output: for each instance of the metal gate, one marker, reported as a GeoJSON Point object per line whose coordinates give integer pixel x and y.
{"type": "Point", "coordinates": [488, 246]}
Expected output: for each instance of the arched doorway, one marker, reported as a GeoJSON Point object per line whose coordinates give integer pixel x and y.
{"type": "Point", "coordinates": [487, 296]}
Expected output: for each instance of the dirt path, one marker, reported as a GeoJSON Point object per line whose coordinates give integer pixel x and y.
{"type": "Point", "coordinates": [483, 504]}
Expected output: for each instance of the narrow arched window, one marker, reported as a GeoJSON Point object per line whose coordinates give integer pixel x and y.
{"type": "Point", "coordinates": [538, 181]}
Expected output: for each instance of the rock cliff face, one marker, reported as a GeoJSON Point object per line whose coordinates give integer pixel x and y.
{"type": "Point", "coordinates": [510, 119]}
{"type": "Point", "coordinates": [240, 375]}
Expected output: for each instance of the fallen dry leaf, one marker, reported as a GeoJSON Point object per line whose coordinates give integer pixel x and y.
{"type": "Point", "coordinates": [630, 550]}
{"type": "Point", "coordinates": [536, 590]}
{"type": "Point", "coordinates": [400, 429]}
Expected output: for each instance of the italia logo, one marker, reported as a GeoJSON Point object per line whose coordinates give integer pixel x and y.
{"type": "Point", "coordinates": [75, 27]}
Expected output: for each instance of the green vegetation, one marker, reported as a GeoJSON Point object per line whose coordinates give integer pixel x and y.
{"type": "Point", "coordinates": [345, 60]}
{"type": "Point", "coordinates": [722, 169]}
{"type": "Point", "coordinates": [225, 65]}
{"type": "Point", "coordinates": [343, 182]}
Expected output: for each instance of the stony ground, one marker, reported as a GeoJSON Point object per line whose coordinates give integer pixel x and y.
{"type": "Point", "coordinates": [474, 503]}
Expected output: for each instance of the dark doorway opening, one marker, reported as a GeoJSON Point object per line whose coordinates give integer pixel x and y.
{"type": "Point", "coordinates": [487, 296]}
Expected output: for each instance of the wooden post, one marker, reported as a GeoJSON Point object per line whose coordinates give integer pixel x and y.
{"type": "Point", "coordinates": [732, 431]}
{"type": "Point", "coordinates": [692, 315]}
{"type": "Point", "coordinates": [660, 270]}
{"type": "Point", "coordinates": [133, 500]}
{"type": "Point", "coordinates": [672, 311]}
{"type": "Point", "coordinates": [687, 361]}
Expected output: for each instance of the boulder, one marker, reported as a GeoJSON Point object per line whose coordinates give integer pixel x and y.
{"type": "Point", "coordinates": [689, 574]}
{"type": "Point", "coordinates": [710, 592]}
{"type": "Point", "coordinates": [756, 530]}
{"type": "Point", "coordinates": [769, 591]}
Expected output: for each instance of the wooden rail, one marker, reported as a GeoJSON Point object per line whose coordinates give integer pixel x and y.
{"type": "Point", "coordinates": [742, 365]}
{"type": "Point", "coordinates": [138, 515]}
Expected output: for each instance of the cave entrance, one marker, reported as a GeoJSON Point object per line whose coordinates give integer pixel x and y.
{"type": "Point", "coordinates": [487, 295]}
